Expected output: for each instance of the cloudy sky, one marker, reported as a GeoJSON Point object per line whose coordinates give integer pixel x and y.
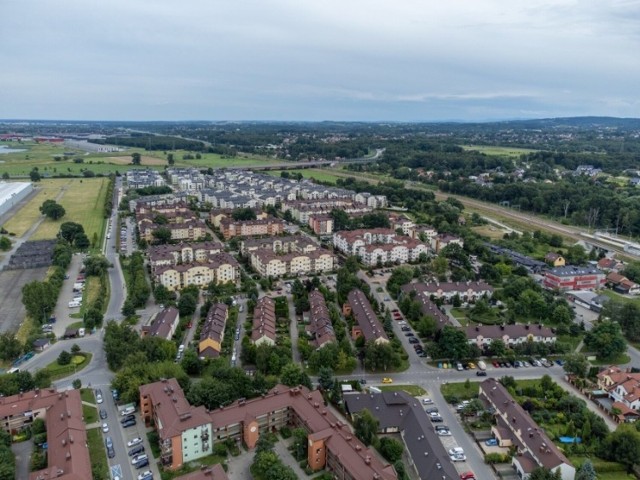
{"type": "Point", "coordinates": [401, 60]}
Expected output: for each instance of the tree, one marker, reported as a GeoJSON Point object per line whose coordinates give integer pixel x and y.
{"type": "Point", "coordinates": [576, 255]}
{"type": "Point", "coordinates": [380, 356]}
{"type": "Point", "coordinates": [5, 243]}
{"type": "Point", "coordinates": [453, 343]}
{"type": "Point", "coordinates": [162, 294]}
{"type": "Point", "coordinates": [325, 378]}
{"type": "Point", "coordinates": [170, 159]}
{"type": "Point", "coordinates": [10, 347]}
{"type": "Point", "coordinates": [242, 214]}
{"type": "Point", "coordinates": [561, 315]}
{"type": "Point", "coordinates": [136, 158]}
{"type": "Point", "coordinates": [576, 364]}
{"type": "Point", "coordinates": [391, 449]}
{"type": "Point", "coordinates": [191, 363]}
{"type": "Point", "coordinates": [42, 378]}
{"type": "Point", "coordinates": [34, 175]}
{"type": "Point", "coordinates": [366, 427]}
{"type": "Point", "coordinates": [606, 340]}
{"type": "Point", "coordinates": [187, 304]}
{"type": "Point", "coordinates": [292, 375]}
{"type": "Point", "coordinates": [5, 176]}
{"type": "Point", "coordinates": [623, 446]}
{"type": "Point", "coordinates": [162, 235]}
{"type": "Point", "coordinates": [96, 265]}
{"type": "Point", "coordinates": [69, 231]}
{"type": "Point", "coordinates": [64, 358]}
{"type": "Point", "coordinates": [52, 209]}
{"type": "Point", "coordinates": [586, 471]}
{"type": "Point", "coordinates": [541, 473]}
{"type": "Point", "coordinates": [497, 348]}
{"type": "Point", "coordinates": [82, 241]}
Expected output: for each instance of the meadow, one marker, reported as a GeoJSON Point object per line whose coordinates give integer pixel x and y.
{"type": "Point", "coordinates": [499, 151]}
{"type": "Point", "coordinates": [310, 173]}
{"type": "Point", "coordinates": [51, 160]}
{"type": "Point", "coordinates": [82, 198]}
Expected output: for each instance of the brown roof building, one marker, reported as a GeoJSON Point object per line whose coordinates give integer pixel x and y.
{"type": "Point", "coordinates": [320, 328]}
{"type": "Point", "coordinates": [534, 448]}
{"type": "Point", "coordinates": [209, 472]}
{"type": "Point", "coordinates": [467, 291]}
{"type": "Point", "coordinates": [164, 325]}
{"type": "Point", "coordinates": [483, 335]}
{"type": "Point", "coordinates": [331, 443]}
{"type": "Point", "coordinates": [244, 228]}
{"type": "Point", "coordinates": [264, 322]}
{"type": "Point", "coordinates": [67, 454]}
{"type": "Point", "coordinates": [212, 332]}
{"type": "Point", "coordinates": [367, 324]}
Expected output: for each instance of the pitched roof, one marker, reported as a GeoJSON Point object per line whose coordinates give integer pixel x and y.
{"type": "Point", "coordinates": [365, 316]}
{"type": "Point", "coordinates": [512, 331]}
{"type": "Point", "coordinates": [264, 319]}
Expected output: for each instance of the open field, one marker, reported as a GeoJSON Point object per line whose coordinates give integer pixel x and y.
{"type": "Point", "coordinates": [83, 200]}
{"type": "Point", "coordinates": [413, 390]}
{"type": "Point", "coordinates": [311, 173]}
{"type": "Point", "coordinates": [499, 151]}
{"type": "Point", "coordinates": [490, 231]}
{"type": "Point", "coordinates": [44, 157]}
{"type": "Point", "coordinates": [97, 453]}
{"type": "Point", "coordinates": [78, 362]}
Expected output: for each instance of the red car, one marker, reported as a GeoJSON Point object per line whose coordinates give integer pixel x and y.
{"type": "Point", "coordinates": [496, 364]}
{"type": "Point", "coordinates": [467, 476]}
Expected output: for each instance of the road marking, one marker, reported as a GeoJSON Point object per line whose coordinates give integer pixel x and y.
{"type": "Point", "coordinates": [116, 471]}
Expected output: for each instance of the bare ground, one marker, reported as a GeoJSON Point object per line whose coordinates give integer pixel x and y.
{"type": "Point", "coordinates": [12, 311]}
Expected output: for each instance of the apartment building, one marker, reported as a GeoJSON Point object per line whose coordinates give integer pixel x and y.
{"type": "Point", "coordinates": [188, 433]}
{"type": "Point", "coordinates": [321, 223]}
{"type": "Point", "coordinates": [246, 228]}
{"type": "Point", "coordinates": [467, 291]}
{"type": "Point", "coordinates": [264, 322]}
{"type": "Point", "coordinates": [141, 178]}
{"type": "Point", "coordinates": [444, 239]}
{"type": "Point", "coordinates": [219, 268]}
{"type": "Point", "coordinates": [515, 428]}
{"type": "Point", "coordinates": [302, 210]}
{"type": "Point", "coordinates": [164, 324]}
{"type": "Point", "coordinates": [367, 324]}
{"type": "Point", "coordinates": [178, 219]}
{"type": "Point", "coordinates": [574, 278]}
{"type": "Point", "coordinates": [320, 328]}
{"type": "Point", "coordinates": [67, 452]}
{"type": "Point", "coordinates": [482, 335]}
{"type": "Point", "coordinates": [288, 244]}
{"type": "Point", "coordinates": [378, 246]}
{"type": "Point", "coordinates": [212, 331]}
{"type": "Point", "coordinates": [216, 215]}
{"type": "Point", "coordinates": [169, 255]}
{"type": "Point", "coordinates": [270, 264]}
{"type": "Point", "coordinates": [400, 222]}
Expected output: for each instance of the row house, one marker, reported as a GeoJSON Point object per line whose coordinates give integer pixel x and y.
{"type": "Point", "coordinates": [219, 268]}
{"type": "Point", "coordinates": [482, 335]}
{"type": "Point", "coordinates": [212, 331]}
{"type": "Point", "coordinates": [574, 278]}
{"type": "Point", "coordinates": [367, 324]}
{"type": "Point", "coordinates": [622, 386]}
{"type": "Point", "coordinates": [319, 329]}
{"type": "Point", "coordinates": [515, 428]}
{"type": "Point", "coordinates": [164, 324]}
{"type": "Point", "coordinates": [271, 264]}
{"type": "Point", "coordinates": [245, 228]}
{"type": "Point", "coordinates": [467, 291]}
{"type": "Point", "coordinates": [169, 255]}
{"type": "Point", "coordinates": [187, 433]}
{"type": "Point", "coordinates": [264, 322]}
{"type": "Point", "coordinates": [373, 201]}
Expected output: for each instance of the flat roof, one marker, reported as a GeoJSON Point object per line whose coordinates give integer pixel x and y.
{"type": "Point", "coordinates": [9, 189]}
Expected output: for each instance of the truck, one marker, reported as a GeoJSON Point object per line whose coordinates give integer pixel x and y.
{"type": "Point", "coordinates": [482, 365]}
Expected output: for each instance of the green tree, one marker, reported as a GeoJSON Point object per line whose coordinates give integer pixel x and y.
{"type": "Point", "coordinates": [391, 449]}
{"type": "Point", "coordinates": [69, 231]}
{"type": "Point", "coordinates": [453, 343]}
{"type": "Point", "coordinates": [5, 243]}
{"type": "Point", "coordinates": [77, 384]}
{"type": "Point", "coordinates": [64, 358]}
{"type": "Point", "coordinates": [96, 265]}
{"type": "Point", "coordinates": [42, 378]}
{"type": "Point", "coordinates": [82, 242]}
{"type": "Point", "coordinates": [243, 214]}
{"type": "Point", "coordinates": [34, 175]}
{"type": "Point", "coordinates": [497, 348]}
{"type": "Point", "coordinates": [576, 364]}
{"type": "Point", "coordinates": [187, 304]}
{"type": "Point", "coordinates": [365, 427]}
{"type": "Point", "coordinates": [325, 378]}
{"type": "Point", "coordinates": [586, 471]}
{"type": "Point", "coordinates": [541, 473]}
{"type": "Point", "coordinates": [136, 158]}
{"type": "Point", "coordinates": [161, 294]}
{"type": "Point", "coordinates": [606, 340]}
{"type": "Point", "coordinates": [561, 315]}
{"type": "Point", "coordinates": [623, 446]}
{"type": "Point", "coordinates": [52, 209]}
{"type": "Point", "coordinates": [293, 375]}
{"type": "Point", "coordinates": [170, 159]}
{"type": "Point", "coordinates": [10, 347]}
{"type": "Point", "coordinates": [191, 363]}
{"type": "Point", "coordinates": [162, 235]}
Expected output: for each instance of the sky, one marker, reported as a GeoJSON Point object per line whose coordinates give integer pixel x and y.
{"type": "Point", "coordinates": [344, 60]}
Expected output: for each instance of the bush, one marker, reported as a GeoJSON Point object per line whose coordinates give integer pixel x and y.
{"type": "Point", "coordinates": [220, 450]}
{"type": "Point", "coordinates": [64, 358]}
{"type": "Point", "coordinates": [493, 458]}
{"type": "Point", "coordinates": [285, 432]}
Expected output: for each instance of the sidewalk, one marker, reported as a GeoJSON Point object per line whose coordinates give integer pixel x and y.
{"type": "Point", "coordinates": [590, 405]}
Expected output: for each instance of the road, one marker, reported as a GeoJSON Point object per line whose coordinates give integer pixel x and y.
{"type": "Point", "coordinates": [118, 292]}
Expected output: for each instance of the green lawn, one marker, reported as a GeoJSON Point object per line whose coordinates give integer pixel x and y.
{"type": "Point", "coordinates": [78, 362]}
{"type": "Point", "coordinates": [191, 467]}
{"type": "Point", "coordinates": [413, 390]}
{"type": "Point", "coordinates": [605, 470]}
{"type": "Point", "coordinates": [619, 298]}
{"type": "Point", "coordinates": [90, 414]}
{"type": "Point", "coordinates": [313, 173]}
{"type": "Point", "coordinates": [87, 395]}
{"type": "Point", "coordinates": [461, 390]}
{"type": "Point", "coordinates": [97, 453]}
{"type": "Point", "coordinates": [499, 151]}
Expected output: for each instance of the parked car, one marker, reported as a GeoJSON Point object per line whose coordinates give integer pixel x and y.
{"type": "Point", "coordinates": [481, 373]}
{"type": "Point", "coordinates": [139, 458]}
{"type": "Point", "coordinates": [134, 441]}
{"type": "Point", "coordinates": [408, 334]}
{"type": "Point", "coordinates": [146, 475]}
{"type": "Point", "coordinates": [126, 418]}
{"type": "Point", "coordinates": [129, 423]}
{"type": "Point", "coordinates": [444, 433]}
{"type": "Point", "coordinates": [103, 414]}
{"type": "Point", "coordinates": [413, 340]}
{"type": "Point", "coordinates": [427, 401]}
{"type": "Point", "coordinates": [142, 464]}
{"type": "Point", "coordinates": [431, 410]}
{"type": "Point", "coordinates": [387, 380]}
{"type": "Point", "coordinates": [495, 364]}
{"type": "Point", "coordinates": [136, 450]}
{"type": "Point", "coordinates": [467, 476]}
{"type": "Point", "coordinates": [492, 442]}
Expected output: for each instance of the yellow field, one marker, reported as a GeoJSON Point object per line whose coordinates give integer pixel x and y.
{"type": "Point", "coordinates": [83, 200]}
{"type": "Point", "coordinates": [145, 160]}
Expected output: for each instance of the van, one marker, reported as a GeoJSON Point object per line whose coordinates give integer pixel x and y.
{"type": "Point", "coordinates": [482, 365]}
{"type": "Point", "coordinates": [74, 304]}
{"type": "Point", "coordinates": [128, 411]}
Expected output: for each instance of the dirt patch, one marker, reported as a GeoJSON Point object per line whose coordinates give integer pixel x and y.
{"type": "Point", "coordinates": [144, 160]}
{"type": "Point", "coordinates": [12, 311]}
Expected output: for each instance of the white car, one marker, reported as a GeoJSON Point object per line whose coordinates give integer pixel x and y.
{"type": "Point", "coordinates": [427, 401]}
{"type": "Point", "coordinates": [456, 451]}
{"type": "Point", "coordinates": [146, 475]}
{"type": "Point", "coordinates": [458, 457]}
{"type": "Point", "coordinates": [134, 441]}
{"type": "Point", "coordinates": [105, 428]}
{"type": "Point", "coordinates": [443, 433]}
{"type": "Point", "coordinates": [139, 458]}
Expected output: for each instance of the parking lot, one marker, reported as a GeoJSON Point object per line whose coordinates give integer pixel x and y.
{"type": "Point", "coordinates": [12, 311]}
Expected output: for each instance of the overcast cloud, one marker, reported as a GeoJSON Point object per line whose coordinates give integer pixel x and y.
{"type": "Point", "coordinates": [323, 60]}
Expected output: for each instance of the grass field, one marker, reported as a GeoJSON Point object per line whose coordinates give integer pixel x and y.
{"type": "Point", "coordinates": [311, 173]}
{"type": "Point", "coordinates": [499, 151]}
{"type": "Point", "coordinates": [90, 414]}
{"type": "Point", "coordinates": [83, 200]}
{"type": "Point", "coordinates": [97, 453]}
{"type": "Point", "coordinates": [78, 362]}
{"type": "Point", "coordinates": [413, 390]}
{"type": "Point", "coordinates": [44, 157]}
{"type": "Point", "coordinates": [461, 390]}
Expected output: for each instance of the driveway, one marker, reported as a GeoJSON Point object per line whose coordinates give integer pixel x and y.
{"type": "Point", "coordinates": [62, 310]}
{"type": "Point", "coordinates": [22, 451]}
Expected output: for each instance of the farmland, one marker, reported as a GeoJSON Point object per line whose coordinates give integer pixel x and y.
{"type": "Point", "coordinates": [54, 160]}
{"type": "Point", "coordinates": [83, 200]}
